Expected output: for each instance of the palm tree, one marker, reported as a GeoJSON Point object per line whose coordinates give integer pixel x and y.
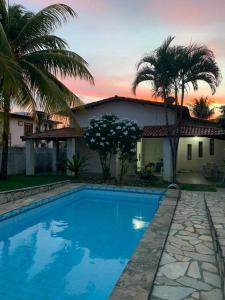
{"type": "Point", "coordinates": [32, 60]}
{"type": "Point", "coordinates": [172, 70]}
{"type": "Point", "coordinates": [201, 108]}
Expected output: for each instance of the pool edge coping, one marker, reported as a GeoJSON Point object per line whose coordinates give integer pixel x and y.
{"type": "Point", "coordinates": [137, 279]}
{"type": "Point", "coordinates": [45, 199]}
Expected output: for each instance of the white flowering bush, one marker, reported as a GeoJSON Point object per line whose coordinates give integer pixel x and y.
{"type": "Point", "coordinates": [108, 135]}
{"type": "Point", "coordinates": [101, 137]}
{"type": "Point", "coordinates": [128, 133]}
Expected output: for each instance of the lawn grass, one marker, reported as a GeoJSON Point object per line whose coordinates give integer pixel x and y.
{"type": "Point", "coordinates": [22, 181]}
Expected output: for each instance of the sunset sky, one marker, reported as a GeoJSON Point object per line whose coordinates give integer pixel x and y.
{"type": "Point", "coordinates": [112, 35]}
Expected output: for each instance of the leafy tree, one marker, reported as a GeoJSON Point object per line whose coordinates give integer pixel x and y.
{"type": "Point", "coordinates": [172, 70]}
{"type": "Point", "coordinates": [201, 108]}
{"type": "Point", "coordinates": [221, 118]}
{"type": "Point", "coordinates": [32, 59]}
{"type": "Point", "coordinates": [101, 137]}
{"type": "Point", "coordinates": [77, 165]}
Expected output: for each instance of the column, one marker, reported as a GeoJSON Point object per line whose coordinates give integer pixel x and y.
{"type": "Point", "coordinates": [70, 152]}
{"type": "Point", "coordinates": [55, 154]}
{"type": "Point", "coordinates": [117, 167]}
{"type": "Point", "coordinates": [30, 157]}
{"type": "Point", "coordinates": [167, 161]}
{"type": "Point", "coordinates": [139, 154]}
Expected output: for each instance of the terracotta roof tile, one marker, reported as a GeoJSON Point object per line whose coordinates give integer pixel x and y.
{"type": "Point", "coordinates": [56, 134]}
{"type": "Point", "coordinates": [186, 131]}
{"type": "Point", "coordinates": [148, 131]}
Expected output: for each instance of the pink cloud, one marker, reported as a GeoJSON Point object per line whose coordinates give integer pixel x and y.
{"type": "Point", "coordinates": [189, 13]}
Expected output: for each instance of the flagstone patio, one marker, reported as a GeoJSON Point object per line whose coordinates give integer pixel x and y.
{"type": "Point", "coordinates": [188, 268]}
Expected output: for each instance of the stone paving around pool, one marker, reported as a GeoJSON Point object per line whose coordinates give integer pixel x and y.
{"type": "Point", "coordinates": [188, 268]}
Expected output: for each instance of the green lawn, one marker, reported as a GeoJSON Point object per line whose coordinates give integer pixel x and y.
{"type": "Point", "coordinates": [22, 181]}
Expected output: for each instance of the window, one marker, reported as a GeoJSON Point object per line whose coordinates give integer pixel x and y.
{"type": "Point", "coordinates": [200, 149]}
{"type": "Point", "coordinates": [189, 151]}
{"type": "Point", "coordinates": [20, 123]}
{"type": "Point", "coordinates": [211, 147]}
{"type": "Point", "coordinates": [28, 128]}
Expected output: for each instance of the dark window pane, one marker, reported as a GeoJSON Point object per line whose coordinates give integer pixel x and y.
{"type": "Point", "coordinates": [28, 128]}
{"type": "Point", "coordinates": [200, 149]}
{"type": "Point", "coordinates": [189, 152]}
{"type": "Point", "coordinates": [211, 147]}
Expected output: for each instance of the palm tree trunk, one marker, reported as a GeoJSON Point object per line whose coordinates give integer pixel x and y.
{"type": "Point", "coordinates": [171, 136]}
{"type": "Point", "coordinates": [5, 138]}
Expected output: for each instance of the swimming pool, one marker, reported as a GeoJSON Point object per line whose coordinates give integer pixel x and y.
{"type": "Point", "coordinates": [75, 246]}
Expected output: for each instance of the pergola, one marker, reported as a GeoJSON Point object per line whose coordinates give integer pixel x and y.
{"type": "Point", "coordinates": [68, 134]}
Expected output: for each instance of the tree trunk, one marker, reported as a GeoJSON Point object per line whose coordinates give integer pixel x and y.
{"type": "Point", "coordinates": [5, 139]}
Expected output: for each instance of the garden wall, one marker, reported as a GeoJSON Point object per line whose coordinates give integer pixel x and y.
{"type": "Point", "coordinates": [17, 160]}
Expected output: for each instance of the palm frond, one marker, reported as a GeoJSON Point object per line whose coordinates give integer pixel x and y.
{"type": "Point", "coordinates": [46, 21]}
{"type": "Point", "coordinates": [61, 63]}
{"type": "Point", "coordinates": [42, 43]}
{"type": "Point", "coordinates": [3, 12]}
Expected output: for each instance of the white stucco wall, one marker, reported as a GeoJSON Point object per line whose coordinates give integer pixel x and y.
{"type": "Point", "coordinates": [144, 114]}
{"type": "Point", "coordinates": [195, 164]}
{"type": "Point", "coordinates": [152, 150]}
{"type": "Point", "coordinates": [94, 165]}
{"type": "Point", "coordinates": [17, 131]}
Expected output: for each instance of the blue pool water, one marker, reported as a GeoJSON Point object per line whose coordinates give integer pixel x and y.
{"type": "Point", "coordinates": [72, 248]}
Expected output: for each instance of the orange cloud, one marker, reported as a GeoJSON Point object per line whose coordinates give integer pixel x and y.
{"type": "Point", "coordinates": [106, 87]}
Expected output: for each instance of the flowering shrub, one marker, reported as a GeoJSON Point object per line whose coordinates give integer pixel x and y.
{"type": "Point", "coordinates": [128, 133]}
{"type": "Point", "coordinates": [101, 137]}
{"type": "Point", "coordinates": [108, 135]}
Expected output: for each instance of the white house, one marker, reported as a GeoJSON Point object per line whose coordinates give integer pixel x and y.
{"type": "Point", "coordinates": [22, 124]}
{"type": "Point", "coordinates": [201, 143]}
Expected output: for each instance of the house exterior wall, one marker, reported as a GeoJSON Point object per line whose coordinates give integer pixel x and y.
{"type": "Point", "coordinates": [144, 114]}
{"type": "Point", "coordinates": [152, 150]}
{"type": "Point", "coordinates": [195, 164]}
{"type": "Point", "coordinates": [94, 165]}
{"type": "Point", "coordinates": [17, 130]}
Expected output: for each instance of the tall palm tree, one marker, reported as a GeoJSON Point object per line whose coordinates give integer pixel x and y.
{"type": "Point", "coordinates": [172, 70]}
{"type": "Point", "coordinates": [32, 62]}
{"type": "Point", "coordinates": [201, 108]}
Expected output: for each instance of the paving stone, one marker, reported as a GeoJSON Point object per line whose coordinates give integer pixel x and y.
{"type": "Point", "coordinates": [194, 283]}
{"type": "Point", "coordinates": [203, 249]}
{"type": "Point", "coordinates": [191, 229]}
{"type": "Point", "coordinates": [209, 267]}
{"type": "Point", "coordinates": [165, 281]}
{"type": "Point", "coordinates": [205, 238]}
{"type": "Point", "coordinates": [212, 279]}
{"type": "Point", "coordinates": [182, 258]}
{"type": "Point", "coordinates": [215, 294]}
{"type": "Point", "coordinates": [166, 259]}
{"type": "Point", "coordinates": [200, 257]}
{"type": "Point", "coordinates": [172, 293]}
{"type": "Point", "coordinates": [173, 250]}
{"type": "Point", "coordinates": [174, 270]}
{"type": "Point", "coordinates": [196, 295]}
{"type": "Point", "coordinates": [177, 226]}
{"type": "Point", "coordinates": [193, 270]}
